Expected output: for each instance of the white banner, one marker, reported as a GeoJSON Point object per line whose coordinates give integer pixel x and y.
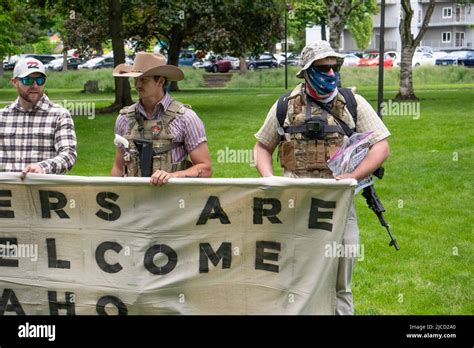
{"type": "Point", "coordinates": [101, 245]}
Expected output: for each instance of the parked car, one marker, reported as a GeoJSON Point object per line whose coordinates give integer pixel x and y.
{"type": "Point", "coordinates": [265, 60]}
{"type": "Point", "coordinates": [97, 63]}
{"type": "Point", "coordinates": [419, 59]}
{"type": "Point", "coordinates": [454, 58]}
{"type": "Point", "coordinates": [219, 65]}
{"type": "Point", "coordinates": [235, 62]}
{"type": "Point", "coordinates": [424, 49]}
{"type": "Point", "coordinates": [201, 64]}
{"type": "Point", "coordinates": [293, 59]}
{"type": "Point", "coordinates": [351, 60]}
{"type": "Point", "coordinates": [187, 58]}
{"type": "Point", "coordinates": [43, 58]}
{"type": "Point", "coordinates": [469, 60]}
{"type": "Point", "coordinates": [372, 59]}
{"type": "Point", "coordinates": [57, 64]}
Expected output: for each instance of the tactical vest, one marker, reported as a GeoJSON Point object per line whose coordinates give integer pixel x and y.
{"type": "Point", "coordinates": [310, 135]}
{"type": "Point", "coordinates": [156, 133]}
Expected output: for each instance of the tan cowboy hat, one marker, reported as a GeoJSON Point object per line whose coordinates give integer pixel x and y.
{"type": "Point", "coordinates": [149, 64]}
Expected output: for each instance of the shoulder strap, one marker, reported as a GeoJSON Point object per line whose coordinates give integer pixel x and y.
{"type": "Point", "coordinates": [133, 117]}
{"type": "Point", "coordinates": [175, 108]}
{"type": "Point", "coordinates": [282, 108]}
{"type": "Point", "coordinates": [351, 102]}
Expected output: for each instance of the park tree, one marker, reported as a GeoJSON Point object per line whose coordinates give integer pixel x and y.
{"type": "Point", "coordinates": [243, 27]}
{"type": "Point", "coordinates": [236, 27]}
{"type": "Point", "coordinates": [21, 23]}
{"type": "Point", "coordinates": [173, 23]}
{"type": "Point", "coordinates": [340, 12]}
{"type": "Point", "coordinates": [360, 23]}
{"type": "Point", "coordinates": [356, 14]}
{"type": "Point", "coordinates": [86, 26]}
{"type": "Point", "coordinates": [409, 44]}
{"type": "Point", "coordinates": [304, 13]}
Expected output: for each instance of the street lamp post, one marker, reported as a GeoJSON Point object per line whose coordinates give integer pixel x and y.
{"type": "Point", "coordinates": [286, 46]}
{"type": "Point", "coordinates": [381, 58]}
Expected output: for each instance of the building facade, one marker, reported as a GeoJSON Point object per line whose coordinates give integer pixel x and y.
{"type": "Point", "coordinates": [451, 27]}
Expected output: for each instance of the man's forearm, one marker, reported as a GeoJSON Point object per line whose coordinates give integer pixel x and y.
{"type": "Point", "coordinates": [263, 160]}
{"type": "Point", "coordinates": [200, 170]}
{"type": "Point", "coordinates": [63, 162]}
{"type": "Point", "coordinates": [378, 153]}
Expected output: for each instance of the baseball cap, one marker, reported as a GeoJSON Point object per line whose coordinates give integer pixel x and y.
{"type": "Point", "coordinates": [28, 66]}
{"type": "Point", "coordinates": [315, 51]}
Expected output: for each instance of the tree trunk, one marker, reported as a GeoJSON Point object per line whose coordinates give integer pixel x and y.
{"type": "Point", "coordinates": [242, 65]}
{"type": "Point", "coordinates": [409, 45]}
{"type": "Point", "coordinates": [173, 53]}
{"type": "Point", "coordinates": [65, 59]}
{"type": "Point", "coordinates": [122, 86]}
{"type": "Point", "coordinates": [335, 27]}
{"type": "Point", "coordinates": [338, 14]}
{"type": "Point", "coordinates": [406, 75]}
{"type": "Point", "coordinates": [1, 66]}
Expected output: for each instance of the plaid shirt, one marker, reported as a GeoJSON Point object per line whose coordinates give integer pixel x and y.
{"type": "Point", "coordinates": [44, 136]}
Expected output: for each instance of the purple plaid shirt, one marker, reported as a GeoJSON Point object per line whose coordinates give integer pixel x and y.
{"type": "Point", "coordinates": [186, 128]}
{"type": "Point", "coordinates": [43, 135]}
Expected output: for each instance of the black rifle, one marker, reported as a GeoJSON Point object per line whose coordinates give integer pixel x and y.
{"type": "Point", "coordinates": [145, 149]}
{"type": "Point", "coordinates": [374, 203]}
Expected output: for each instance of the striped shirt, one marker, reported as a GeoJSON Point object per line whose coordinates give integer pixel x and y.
{"type": "Point", "coordinates": [44, 136]}
{"type": "Point", "coordinates": [186, 128]}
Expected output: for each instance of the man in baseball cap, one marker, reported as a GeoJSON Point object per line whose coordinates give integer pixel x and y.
{"type": "Point", "coordinates": [41, 136]}
{"type": "Point", "coordinates": [28, 66]}
{"type": "Point", "coordinates": [310, 124]}
{"type": "Point", "coordinates": [29, 77]}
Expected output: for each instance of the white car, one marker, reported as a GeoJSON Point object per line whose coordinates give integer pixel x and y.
{"type": "Point", "coordinates": [351, 60]}
{"type": "Point", "coordinates": [90, 63]}
{"type": "Point", "coordinates": [422, 58]}
{"type": "Point", "coordinates": [201, 64]}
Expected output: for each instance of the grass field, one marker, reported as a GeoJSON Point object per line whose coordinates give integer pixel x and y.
{"type": "Point", "coordinates": [427, 189]}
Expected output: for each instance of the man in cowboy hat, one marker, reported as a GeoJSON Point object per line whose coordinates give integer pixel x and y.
{"type": "Point", "coordinates": [313, 126]}
{"type": "Point", "coordinates": [155, 135]}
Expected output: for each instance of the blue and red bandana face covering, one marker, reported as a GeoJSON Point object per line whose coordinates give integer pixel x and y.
{"type": "Point", "coordinates": [321, 86]}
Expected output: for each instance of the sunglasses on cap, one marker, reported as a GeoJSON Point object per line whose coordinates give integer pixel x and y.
{"type": "Point", "coordinates": [325, 68]}
{"type": "Point", "coordinates": [28, 80]}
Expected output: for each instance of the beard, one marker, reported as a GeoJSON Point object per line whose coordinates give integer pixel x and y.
{"type": "Point", "coordinates": [30, 97]}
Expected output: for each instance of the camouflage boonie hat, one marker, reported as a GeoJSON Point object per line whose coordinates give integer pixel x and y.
{"type": "Point", "coordinates": [315, 51]}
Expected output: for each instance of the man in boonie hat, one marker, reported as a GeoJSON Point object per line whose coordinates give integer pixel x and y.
{"type": "Point", "coordinates": [155, 135]}
{"type": "Point", "coordinates": [310, 124]}
{"type": "Point", "coordinates": [36, 135]}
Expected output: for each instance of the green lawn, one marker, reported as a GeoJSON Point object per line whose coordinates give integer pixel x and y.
{"type": "Point", "coordinates": [427, 189]}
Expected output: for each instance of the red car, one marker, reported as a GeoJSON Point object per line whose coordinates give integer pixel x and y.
{"type": "Point", "coordinates": [372, 59]}
{"type": "Point", "coordinates": [219, 65]}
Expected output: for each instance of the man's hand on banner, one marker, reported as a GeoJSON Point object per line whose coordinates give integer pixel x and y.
{"type": "Point", "coordinates": [31, 168]}
{"type": "Point", "coordinates": [345, 176]}
{"type": "Point", "coordinates": [160, 177]}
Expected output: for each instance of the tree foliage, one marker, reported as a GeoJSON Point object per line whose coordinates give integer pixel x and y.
{"type": "Point", "coordinates": [304, 13]}
{"type": "Point", "coordinates": [360, 23]}
{"type": "Point", "coordinates": [356, 14]}
{"type": "Point", "coordinates": [21, 23]}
